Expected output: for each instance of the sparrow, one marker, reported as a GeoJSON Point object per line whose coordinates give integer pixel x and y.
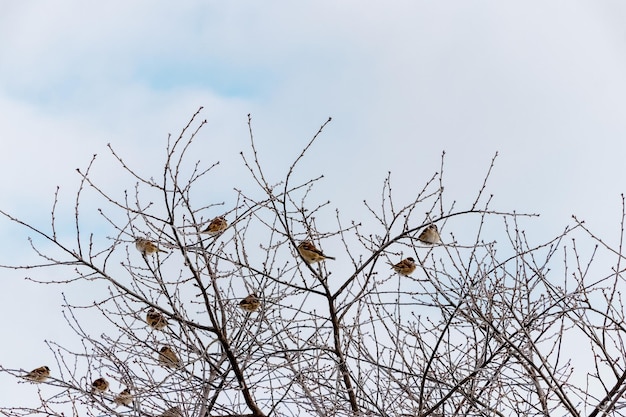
{"type": "Point", "coordinates": [430, 235]}
{"type": "Point", "coordinates": [250, 303]}
{"type": "Point", "coordinates": [147, 247]}
{"type": "Point", "coordinates": [172, 412]}
{"type": "Point", "coordinates": [100, 385]}
{"type": "Point", "coordinates": [38, 375]}
{"type": "Point", "coordinates": [405, 267]}
{"type": "Point", "coordinates": [124, 398]}
{"type": "Point", "coordinates": [168, 358]}
{"type": "Point", "coordinates": [217, 225]}
{"type": "Point", "coordinates": [310, 253]}
{"type": "Point", "coordinates": [155, 319]}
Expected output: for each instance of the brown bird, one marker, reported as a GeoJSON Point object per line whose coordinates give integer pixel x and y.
{"type": "Point", "coordinates": [147, 247]}
{"type": "Point", "coordinates": [38, 375]}
{"type": "Point", "coordinates": [430, 235]}
{"type": "Point", "coordinates": [124, 398]}
{"type": "Point", "coordinates": [251, 303]}
{"type": "Point", "coordinates": [217, 225]}
{"type": "Point", "coordinates": [405, 267]}
{"type": "Point", "coordinates": [100, 385]}
{"type": "Point", "coordinates": [172, 412]}
{"type": "Point", "coordinates": [310, 253]}
{"type": "Point", "coordinates": [168, 358]}
{"type": "Point", "coordinates": [155, 319]}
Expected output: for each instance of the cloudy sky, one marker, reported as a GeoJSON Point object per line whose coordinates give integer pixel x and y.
{"type": "Point", "coordinates": [541, 83]}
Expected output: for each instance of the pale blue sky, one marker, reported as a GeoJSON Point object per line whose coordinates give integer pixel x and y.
{"type": "Point", "coordinates": [542, 83]}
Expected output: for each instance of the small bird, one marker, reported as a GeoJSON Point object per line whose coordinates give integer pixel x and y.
{"type": "Point", "coordinates": [155, 319]}
{"type": "Point", "coordinates": [430, 235]}
{"type": "Point", "coordinates": [100, 385]}
{"type": "Point", "coordinates": [172, 412]}
{"type": "Point", "coordinates": [38, 375]}
{"type": "Point", "coordinates": [251, 303]}
{"type": "Point", "coordinates": [405, 267]}
{"type": "Point", "coordinates": [147, 247]}
{"type": "Point", "coordinates": [217, 225]}
{"type": "Point", "coordinates": [168, 358]}
{"type": "Point", "coordinates": [124, 398]}
{"type": "Point", "coordinates": [310, 253]}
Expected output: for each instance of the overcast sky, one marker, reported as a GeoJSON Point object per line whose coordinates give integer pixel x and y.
{"type": "Point", "coordinates": [542, 83]}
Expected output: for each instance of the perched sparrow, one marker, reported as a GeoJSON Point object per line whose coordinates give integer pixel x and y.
{"type": "Point", "coordinates": [217, 225]}
{"type": "Point", "coordinates": [147, 247]}
{"type": "Point", "coordinates": [155, 319]}
{"type": "Point", "coordinates": [100, 385]}
{"type": "Point", "coordinates": [168, 358]}
{"type": "Point", "coordinates": [38, 375]}
{"type": "Point", "coordinates": [172, 412]}
{"type": "Point", "coordinates": [250, 303]}
{"type": "Point", "coordinates": [124, 398]}
{"type": "Point", "coordinates": [430, 235]}
{"type": "Point", "coordinates": [310, 253]}
{"type": "Point", "coordinates": [405, 267]}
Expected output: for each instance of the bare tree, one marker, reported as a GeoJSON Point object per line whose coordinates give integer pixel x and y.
{"type": "Point", "coordinates": [229, 314]}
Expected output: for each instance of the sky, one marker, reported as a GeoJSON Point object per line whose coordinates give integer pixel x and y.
{"type": "Point", "coordinates": [541, 83]}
